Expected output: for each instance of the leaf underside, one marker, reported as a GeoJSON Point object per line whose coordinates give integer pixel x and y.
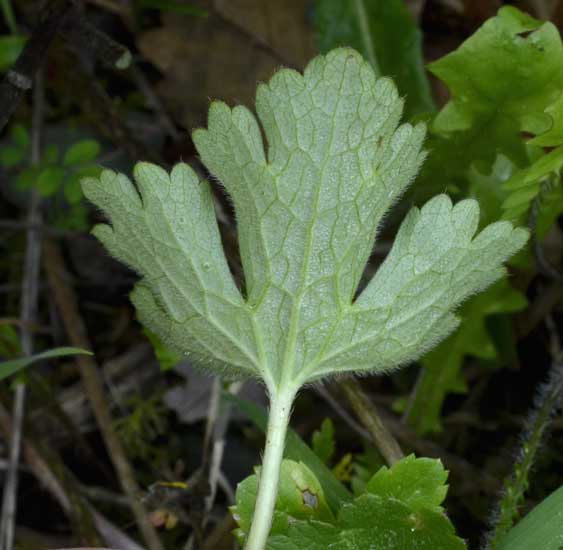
{"type": "Point", "coordinates": [308, 207]}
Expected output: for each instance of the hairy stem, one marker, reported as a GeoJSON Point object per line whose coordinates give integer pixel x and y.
{"type": "Point", "coordinates": [547, 401]}
{"type": "Point", "coordinates": [280, 411]}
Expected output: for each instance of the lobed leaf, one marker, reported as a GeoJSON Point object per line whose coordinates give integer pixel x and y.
{"type": "Point", "coordinates": [308, 208]}
{"type": "Point", "coordinates": [400, 509]}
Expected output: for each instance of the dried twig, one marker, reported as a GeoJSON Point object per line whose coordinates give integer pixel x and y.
{"type": "Point", "coordinates": [111, 534]}
{"type": "Point", "coordinates": [29, 294]}
{"type": "Point", "coordinates": [367, 413]}
{"type": "Point", "coordinates": [89, 370]}
{"type": "Point", "coordinates": [341, 411]}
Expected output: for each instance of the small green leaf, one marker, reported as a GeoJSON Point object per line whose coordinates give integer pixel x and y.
{"type": "Point", "coordinates": [72, 189]}
{"type": "Point", "coordinates": [11, 156]}
{"type": "Point", "coordinates": [323, 441]}
{"type": "Point", "coordinates": [418, 482]}
{"type": "Point", "coordinates": [81, 152]}
{"type": "Point", "coordinates": [554, 135]}
{"type": "Point", "coordinates": [541, 528]}
{"type": "Point", "coordinates": [50, 154]}
{"type": "Point", "coordinates": [525, 185]}
{"type": "Point", "coordinates": [27, 178]}
{"type": "Point", "coordinates": [49, 180]}
{"type": "Point", "coordinates": [400, 510]}
{"type": "Point", "coordinates": [166, 358]}
{"type": "Point", "coordinates": [9, 341]}
{"type": "Point", "coordinates": [12, 366]}
{"type": "Point", "coordinates": [20, 136]}
{"type": "Point", "coordinates": [385, 33]}
{"type": "Point", "coordinates": [300, 497]}
{"type": "Point", "coordinates": [10, 48]}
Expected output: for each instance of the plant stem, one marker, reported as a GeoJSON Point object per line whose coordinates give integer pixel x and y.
{"type": "Point", "coordinates": [367, 413]}
{"type": "Point", "coordinates": [547, 401]}
{"type": "Point", "coordinates": [280, 411]}
{"type": "Point", "coordinates": [367, 38]}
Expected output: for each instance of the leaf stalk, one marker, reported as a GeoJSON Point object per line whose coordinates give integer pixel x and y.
{"type": "Point", "coordinates": [280, 412]}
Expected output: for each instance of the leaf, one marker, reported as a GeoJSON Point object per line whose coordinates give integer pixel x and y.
{"type": "Point", "coordinates": [300, 497]}
{"type": "Point", "coordinates": [50, 154]}
{"type": "Point", "coordinates": [554, 136]}
{"type": "Point", "coordinates": [20, 136]}
{"type": "Point", "coordinates": [9, 341]}
{"type": "Point", "coordinates": [298, 451]}
{"type": "Point", "coordinates": [26, 178]}
{"type": "Point", "coordinates": [441, 372]}
{"type": "Point", "coordinates": [11, 156]}
{"type": "Point", "coordinates": [72, 190]}
{"type": "Point", "coordinates": [307, 217]}
{"type": "Point", "coordinates": [505, 79]}
{"type": "Point", "coordinates": [81, 152]}
{"type": "Point", "coordinates": [49, 180]}
{"type": "Point", "coordinates": [488, 190]}
{"type": "Point", "coordinates": [12, 366]}
{"type": "Point", "coordinates": [385, 33]}
{"type": "Point", "coordinates": [541, 528]}
{"type": "Point", "coordinates": [525, 185]}
{"type": "Point", "coordinates": [418, 482]}
{"type": "Point", "coordinates": [10, 48]}
{"type": "Point", "coordinates": [501, 80]}
{"type": "Point", "coordinates": [167, 359]}
{"type": "Point", "coordinates": [399, 510]}
{"type": "Point", "coordinates": [323, 441]}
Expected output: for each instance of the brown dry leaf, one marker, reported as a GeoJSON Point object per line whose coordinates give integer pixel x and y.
{"type": "Point", "coordinates": [284, 27]}
{"type": "Point", "coordinates": [224, 55]}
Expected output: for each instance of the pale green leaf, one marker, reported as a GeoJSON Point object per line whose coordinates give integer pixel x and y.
{"type": "Point", "coordinates": [307, 209]}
